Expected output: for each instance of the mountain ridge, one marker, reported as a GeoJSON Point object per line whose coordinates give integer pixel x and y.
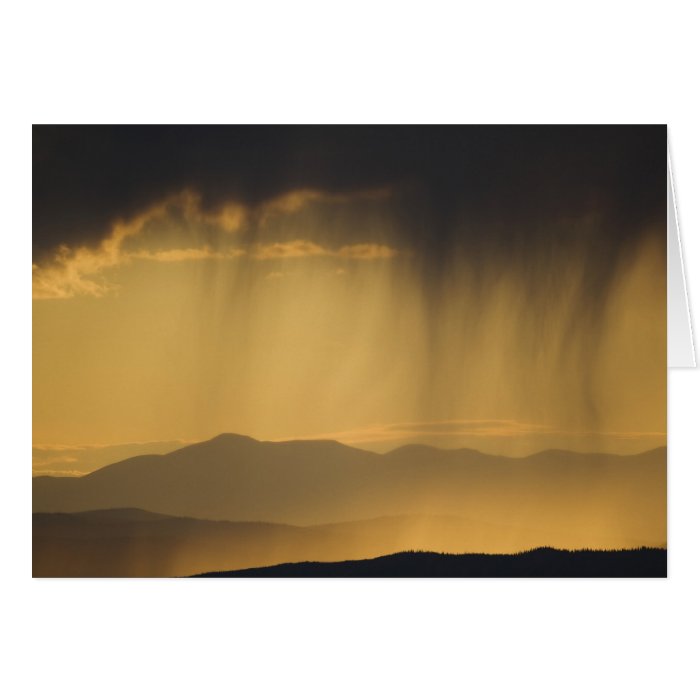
{"type": "Point", "coordinates": [237, 478]}
{"type": "Point", "coordinates": [419, 448]}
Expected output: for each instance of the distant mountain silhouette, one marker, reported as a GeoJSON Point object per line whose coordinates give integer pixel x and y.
{"type": "Point", "coordinates": [543, 562]}
{"type": "Point", "coordinates": [577, 499]}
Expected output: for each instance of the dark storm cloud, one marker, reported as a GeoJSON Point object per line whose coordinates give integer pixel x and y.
{"type": "Point", "coordinates": [495, 190]}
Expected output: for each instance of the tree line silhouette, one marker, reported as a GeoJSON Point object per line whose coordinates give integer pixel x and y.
{"type": "Point", "coordinates": [543, 562]}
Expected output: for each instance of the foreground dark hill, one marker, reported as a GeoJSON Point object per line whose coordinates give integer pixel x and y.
{"type": "Point", "coordinates": [540, 563]}
{"type": "Point", "coordinates": [600, 500]}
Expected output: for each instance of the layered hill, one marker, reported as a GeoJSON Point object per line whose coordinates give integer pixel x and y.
{"type": "Point", "coordinates": [132, 542]}
{"type": "Point", "coordinates": [592, 500]}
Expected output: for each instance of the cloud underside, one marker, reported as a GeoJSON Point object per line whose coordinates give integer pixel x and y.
{"type": "Point", "coordinates": [72, 272]}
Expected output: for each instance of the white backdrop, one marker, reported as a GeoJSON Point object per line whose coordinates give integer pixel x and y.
{"type": "Point", "coordinates": [500, 62]}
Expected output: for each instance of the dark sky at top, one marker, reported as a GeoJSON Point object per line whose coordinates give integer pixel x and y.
{"type": "Point", "coordinates": [509, 179]}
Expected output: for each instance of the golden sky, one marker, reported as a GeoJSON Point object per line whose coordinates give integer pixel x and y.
{"type": "Point", "coordinates": [310, 316]}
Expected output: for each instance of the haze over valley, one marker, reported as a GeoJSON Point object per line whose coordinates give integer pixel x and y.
{"type": "Point", "coordinates": [234, 502]}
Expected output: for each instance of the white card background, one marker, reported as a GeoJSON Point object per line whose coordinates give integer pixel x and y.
{"type": "Point", "coordinates": [681, 351]}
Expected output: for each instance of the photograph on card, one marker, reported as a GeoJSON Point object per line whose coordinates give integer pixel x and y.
{"type": "Point", "coordinates": [349, 351]}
